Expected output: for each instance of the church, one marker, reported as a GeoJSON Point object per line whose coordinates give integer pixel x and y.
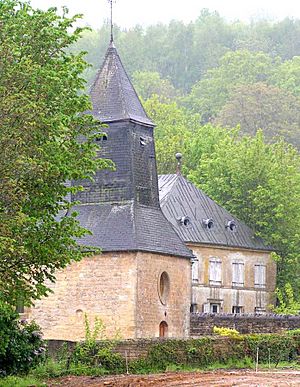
{"type": "Point", "coordinates": [168, 250]}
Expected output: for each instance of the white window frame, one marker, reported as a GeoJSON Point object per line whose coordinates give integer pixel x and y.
{"type": "Point", "coordinates": [239, 307]}
{"type": "Point", "coordinates": [212, 304]}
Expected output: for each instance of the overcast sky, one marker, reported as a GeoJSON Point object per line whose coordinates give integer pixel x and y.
{"type": "Point", "coordinates": [131, 12]}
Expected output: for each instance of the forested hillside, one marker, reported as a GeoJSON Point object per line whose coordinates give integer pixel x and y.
{"type": "Point", "coordinates": [226, 95]}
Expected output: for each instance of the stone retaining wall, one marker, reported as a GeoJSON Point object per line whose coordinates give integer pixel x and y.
{"type": "Point", "coordinates": [202, 324]}
{"type": "Point", "coordinates": [132, 349]}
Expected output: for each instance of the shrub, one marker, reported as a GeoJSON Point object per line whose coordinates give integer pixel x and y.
{"type": "Point", "coordinates": [226, 332]}
{"type": "Point", "coordinates": [95, 354]}
{"type": "Point", "coordinates": [21, 344]}
{"type": "Point", "coordinates": [273, 347]}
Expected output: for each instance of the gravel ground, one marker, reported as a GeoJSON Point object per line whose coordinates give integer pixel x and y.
{"type": "Point", "coordinates": [213, 379]}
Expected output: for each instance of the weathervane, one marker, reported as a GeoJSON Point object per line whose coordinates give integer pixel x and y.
{"type": "Point", "coordinates": [111, 19]}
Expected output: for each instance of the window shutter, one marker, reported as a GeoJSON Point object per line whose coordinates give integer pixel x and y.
{"type": "Point", "coordinates": [260, 276]}
{"type": "Point", "coordinates": [215, 272]}
{"type": "Point", "coordinates": [238, 274]}
{"type": "Point", "coordinates": [195, 271]}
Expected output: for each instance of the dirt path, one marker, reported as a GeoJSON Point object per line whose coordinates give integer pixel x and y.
{"type": "Point", "coordinates": [187, 379]}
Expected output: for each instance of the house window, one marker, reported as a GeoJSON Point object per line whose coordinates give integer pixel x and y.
{"type": "Point", "coordinates": [237, 309]}
{"type": "Point", "coordinates": [214, 308]}
{"type": "Point", "coordinates": [195, 270]}
{"type": "Point", "coordinates": [260, 276]}
{"type": "Point", "coordinates": [238, 274]}
{"type": "Point", "coordinates": [193, 308]}
{"type": "Point", "coordinates": [215, 272]}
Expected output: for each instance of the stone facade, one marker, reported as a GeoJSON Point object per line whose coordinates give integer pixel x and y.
{"type": "Point", "coordinates": [215, 287]}
{"type": "Point", "coordinates": [151, 311]}
{"type": "Point", "coordinates": [123, 290]}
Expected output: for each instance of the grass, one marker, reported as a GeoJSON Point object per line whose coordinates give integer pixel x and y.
{"type": "Point", "coordinates": [16, 381]}
{"type": "Point", "coordinates": [282, 365]}
{"type": "Point", "coordinates": [55, 369]}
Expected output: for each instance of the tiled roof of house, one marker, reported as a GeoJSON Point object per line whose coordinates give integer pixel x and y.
{"type": "Point", "coordinates": [180, 199]}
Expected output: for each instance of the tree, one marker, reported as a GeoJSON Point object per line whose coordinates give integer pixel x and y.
{"type": "Point", "coordinates": [174, 128]}
{"type": "Point", "coordinates": [259, 106]}
{"type": "Point", "coordinates": [287, 76]}
{"type": "Point", "coordinates": [260, 184]}
{"type": "Point", "coordinates": [285, 37]}
{"type": "Point", "coordinates": [210, 94]}
{"type": "Point", "coordinates": [39, 129]}
{"type": "Point", "coordinates": [213, 37]}
{"type": "Point", "coordinates": [148, 83]}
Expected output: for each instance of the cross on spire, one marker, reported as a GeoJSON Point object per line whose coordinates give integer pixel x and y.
{"type": "Point", "coordinates": [111, 19]}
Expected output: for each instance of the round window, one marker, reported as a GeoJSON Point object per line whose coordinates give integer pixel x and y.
{"type": "Point", "coordinates": [164, 287]}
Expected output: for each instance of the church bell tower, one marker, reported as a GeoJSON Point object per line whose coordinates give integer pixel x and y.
{"type": "Point", "coordinates": [121, 207]}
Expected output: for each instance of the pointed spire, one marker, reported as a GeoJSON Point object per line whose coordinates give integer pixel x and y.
{"type": "Point", "coordinates": [113, 95]}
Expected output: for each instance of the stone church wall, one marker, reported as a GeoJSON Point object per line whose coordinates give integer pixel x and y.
{"type": "Point", "coordinates": [249, 296]}
{"type": "Point", "coordinates": [102, 286]}
{"type": "Point", "coordinates": [122, 289]}
{"type": "Point", "coordinates": [151, 311]}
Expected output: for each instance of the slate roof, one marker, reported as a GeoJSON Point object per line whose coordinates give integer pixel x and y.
{"type": "Point", "coordinates": [128, 226]}
{"type": "Point", "coordinates": [179, 198]}
{"type": "Point", "coordinates": [113, 95]}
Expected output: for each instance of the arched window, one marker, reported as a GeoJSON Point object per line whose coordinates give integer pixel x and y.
{"type": "Point", "coordinates": [164, 287]}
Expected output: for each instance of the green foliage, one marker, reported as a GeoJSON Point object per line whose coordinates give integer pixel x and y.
{"type": "Point", "coordinates": [148, 83]}
{"type": "Point", "coordinates": [51, 368]}
{"type": "Point", "coordinates": [15, 381]}
{"type": "Point", "coordinates": [275, 348]}
{"type": "Point", "coordinates": [287, 303]}
{"type": "Point", "coordinates": [210, 94]}
{"type": "Point", "coordinates": [287, 76]}
{"type": "Point", "coordinates": [259, 106]}
{"type": "Point", "coordinates": [21, 345]}
{"type": "Point", "coordinates": [94, 354]}
{"type": "Point", "coordinates": [39, 129]}
{"type": "Point", "coordinates": [174, 128]}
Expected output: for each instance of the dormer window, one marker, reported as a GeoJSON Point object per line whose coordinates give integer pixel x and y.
{"type": "Point", "coordinates": [185, 221]}
{"type": "Point", "coordinates": [208, 223]}
{"type": "Point", "coordinates": [101, 137]}
{"type": "Point", "coordinates": [231, 225]}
